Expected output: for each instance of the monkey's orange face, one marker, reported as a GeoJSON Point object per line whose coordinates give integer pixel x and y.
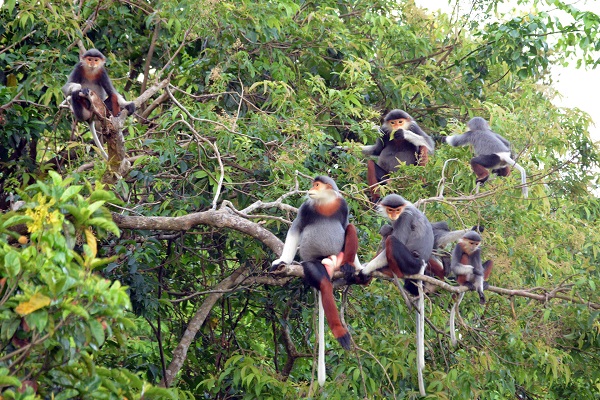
{"type": "Point", "coordinates": [394, 213]}
{"type": "Point", "coordinates": [321, 191]}
{"type": "Point", "coordinates": [93, 62]}
{"type": "Point", "coordinates": [401, 123]}
{"type": "Point", "coordinates": [469, 246]}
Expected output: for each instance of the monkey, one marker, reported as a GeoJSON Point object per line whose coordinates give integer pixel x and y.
{"type": "Point", "coordinates": [439, 263]}
{"type": "Point", "coordinates": [402, 140]}
{"type": "Point", "coordinates": [409, 244]}
{"type": "Point", "coordinates": [89, 74]}
{"type": "Point", "coordinates": [325, 241]}
{"type": "Point", "coordinates": [492, 151]}
{"type": "Point", "coordinates": [466, 264]}
{"type": "Point", "coordinates": [407, 248]}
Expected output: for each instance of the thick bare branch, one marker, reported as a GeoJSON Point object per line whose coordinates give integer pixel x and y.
{"type": "Point", "coordinates": [222, 218]}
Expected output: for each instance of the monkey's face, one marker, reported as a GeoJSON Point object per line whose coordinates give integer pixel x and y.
{"type": "Point", "coordinates": [401, 123]}
{"type": "Point", "coordinates": [468, 246]}
{"type": "Point", "coordinates": [93, 63]}
{"type": "Point", "coordinates": [393, 213]}
{"type": "Point", "coordinates": [322, 192]}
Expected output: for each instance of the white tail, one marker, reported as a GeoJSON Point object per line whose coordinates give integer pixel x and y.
{"type": "Point", "coordinates": [420, 328]}
{"type": "Point", "coordinates": [506, 158]}
{"type": "Point", "coordinates": [453, 340]}
{"type": "Point", "coordinates": [321, 376]}
{"type": "Point", "coordinates": [97, 140]}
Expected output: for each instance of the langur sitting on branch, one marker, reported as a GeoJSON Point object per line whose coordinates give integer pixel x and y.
{"type": "Point", "coordinates": [89, 75]}
{"type": "Point", "coordinates": [326, 242]}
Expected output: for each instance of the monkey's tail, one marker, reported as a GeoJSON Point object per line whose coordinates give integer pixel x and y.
{"type": "Point", "coordinates": [524, 189]}
{"type": "Point", "coordinates": [507, 159]}
{"type": "Point", "coordinates": [321, 375]}
{"type": "Point", "coordinates": [420, 328]}
{"type": "Point", "coordinates": [453, 340]}
{"type": "Point", "coordinates": [97, 141]}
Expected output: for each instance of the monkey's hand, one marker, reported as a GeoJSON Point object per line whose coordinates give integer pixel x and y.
{"type": "Point", "coordinates": [130, 107]}
{"type": "Point", "coordinates": [438, 138]}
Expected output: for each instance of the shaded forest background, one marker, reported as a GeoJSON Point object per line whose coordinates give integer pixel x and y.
{"type": "Point", "coordinates": [156, 285]}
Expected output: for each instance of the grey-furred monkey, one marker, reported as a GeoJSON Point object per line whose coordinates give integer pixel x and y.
{"type": "Point", "coordinates": [492, 151]}
{"type": "Point", "coordinates": [326, 242]}
{"type": "Point", "coordinates": [466, 264]}
{"type": "Point", "coordinates": [402, 141]}
{"type": "Point", "coordinates": [88, 75]}
{"type": "Point", "coordinates": [409, 244]}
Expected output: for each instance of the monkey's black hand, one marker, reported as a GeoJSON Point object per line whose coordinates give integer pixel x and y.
{"type": "Point", "coordinates": [478, 228]}
{"type": "Point", "coordinates": [386, 230]}
{"type": "Point", "coordinates": [438, 138]}
{"type": "Point", "coordinates": [130, 108]}
{"type": "Point", "coordinates": [352, 277]}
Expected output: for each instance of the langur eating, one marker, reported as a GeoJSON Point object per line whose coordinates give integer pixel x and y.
{"type": "Point", "coordinates": [402, 142]}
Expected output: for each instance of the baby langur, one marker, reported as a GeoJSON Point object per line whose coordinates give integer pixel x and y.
{"type": "Point", "coordinates": [326, 242]}
{"type": "Point", "coordinates": [466, 264]}
{"type": "Point", "coordinates": [402, 141]}
{"type": "Point", "coordinates": [492, 151]}
{"type": "Point", "coordinates": [88, 75]}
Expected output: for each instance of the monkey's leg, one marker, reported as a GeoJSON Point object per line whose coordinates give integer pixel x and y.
{"type": "Point", "coordinates": [316, 276]}
{"type": "Point", "coordinates": [504, 171]}
{"type": "Point", "coordinates": [480, 171]}
{"type": "Point", "coordinates": [487, 270]}
{"type": "Point", "coordinates": [423, 157]}
{"type": "Point", "coordinates": [402, 262]}
{"type": "Point", "coordinates": [435, 266]}
{"type": "Point", "coordinates": [372, 181]}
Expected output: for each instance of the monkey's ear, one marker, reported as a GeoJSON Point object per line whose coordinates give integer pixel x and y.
{"type": "Point", "coordinates": [478, 228]}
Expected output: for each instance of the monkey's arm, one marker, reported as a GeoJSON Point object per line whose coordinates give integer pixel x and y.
{"type": "Point", "coordinates": [455, 264]}
{"type": "Point", "coordinates": [443, 239]}
{"type": "Point", "coordinates": [475, 260]}
{"type": "Point", "coordinates": [459, 140]}
{"type": "Point", "coordinates": [73, 82]}
{"type": "Point", "coordinates": [378, 262]}
{"type": "Point", "coordinates": [289, 247]}
{"type": "Point", "coordinates": [419, 140]}
{"type": "Point", "coordinates": [374, 149]}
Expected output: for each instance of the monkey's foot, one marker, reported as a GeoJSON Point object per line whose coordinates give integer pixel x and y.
{"type": "Point", "coordinates": [345, 341]}
{"type": "Point", "coordinates": [355, 276]}
{"type": "Point", "coordinates": [276, 265]}
{"type": "Point", "coordinates": [331, 264]}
